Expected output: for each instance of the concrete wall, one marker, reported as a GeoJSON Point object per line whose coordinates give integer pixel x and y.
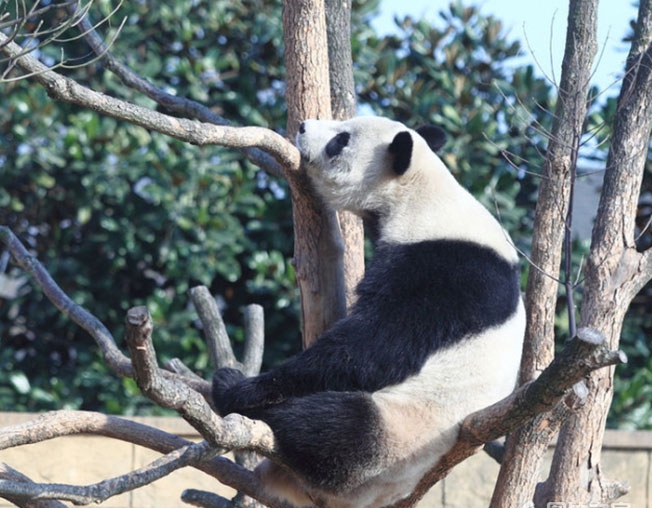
{"type": "Point", "coordinates": [626, 456]}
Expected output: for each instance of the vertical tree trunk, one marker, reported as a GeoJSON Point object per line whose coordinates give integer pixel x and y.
{"type": "Point", "coordinates": [525, 448]}
{"type": "Point", "coordinates": [343, 105]}
{"type": "Point", "coordinates": [318, 246]}
{"type": "Point", "coordinates": [615, 272]}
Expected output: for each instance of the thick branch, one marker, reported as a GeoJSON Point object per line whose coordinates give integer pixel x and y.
{"type": "Point", "coordinates": [615, 272]}
{"type": "Point", "coordinates": [318, 246]}
{"type": "Point", "coordinates": [198, 133]}
{"type": "Point", "coordinates": [547, 239]}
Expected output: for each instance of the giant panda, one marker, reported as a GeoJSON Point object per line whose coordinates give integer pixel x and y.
{"type": "Point", "coordinates": [435, 334]}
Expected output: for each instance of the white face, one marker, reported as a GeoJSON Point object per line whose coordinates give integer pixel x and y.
{"type": "Point", "coordinates": [350, 163]}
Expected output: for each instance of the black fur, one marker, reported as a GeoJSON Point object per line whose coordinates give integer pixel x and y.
{"type": "Point", "coordinates": [434, 136]}
{"type": "Point", "coordinates": [401, 149]}
{"type": "Point", "coordinates": [414, 299]}
{"type": "Point", "coordinates": [327, 437]}
{"type": "Point", "coordinates": [337, 144]}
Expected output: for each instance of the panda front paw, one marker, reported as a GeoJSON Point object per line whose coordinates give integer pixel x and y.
{"type": "Point", "coordinates": [224, 380]}
{"type": "Point", "coordinates": [233, 393]}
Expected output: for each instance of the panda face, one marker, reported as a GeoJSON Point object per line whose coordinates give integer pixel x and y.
{"type": "Point", "coordinates": [357, 164]}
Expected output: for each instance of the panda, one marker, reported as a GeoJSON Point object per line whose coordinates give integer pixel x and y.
{"type": "Point", "coordinates": [435, 334]}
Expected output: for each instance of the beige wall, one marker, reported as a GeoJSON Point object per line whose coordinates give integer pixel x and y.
{"type": "Point", "coordinates": [626, 456]}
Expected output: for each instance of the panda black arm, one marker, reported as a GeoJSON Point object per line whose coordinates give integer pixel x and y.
{"type": "Point", "coordinates": [333, 363]}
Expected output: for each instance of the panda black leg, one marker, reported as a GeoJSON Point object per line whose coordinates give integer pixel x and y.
{"type": "Point", "coordinates": [330, 438]}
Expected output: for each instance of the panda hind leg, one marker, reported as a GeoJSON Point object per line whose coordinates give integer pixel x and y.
{"type": "Point", "coordinates": [332, 440]}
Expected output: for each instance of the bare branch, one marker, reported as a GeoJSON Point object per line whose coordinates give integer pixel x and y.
{"type": "Point", "coordinates": [205, 499]}
{"type": "Point", "coordinates": [234, 431]}
{"type": "Point", "coordinates": [581, 356]}
{"type": "Point", "coordinates": [10, 474]}
{"type": "Point", "coordinates": [548, 234]}
{"type": "Point", "coordinates": [63, 423]}
{"type": "Point", "coordinates": [198, 133]}
{"type": "Point", "coordinates": [39, 36]}
{"type": "Point", "coordinates": [614, 274]}
{"type": "Point", "coordinates": [174, 103]}
{"type": "Point", "coordinates": [178, 367]}
{"type": "Point", "coordinates": [98, 492]}
{"type": "Point", "coordinates": [217, 339]}
{"type": "Point", "coordinates": [254, 328]}
{"type": "Point", "coordinates": [113, 357]}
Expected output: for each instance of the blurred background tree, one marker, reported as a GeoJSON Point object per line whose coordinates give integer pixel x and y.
{"type": "Point", "coordinates": [123, 217]}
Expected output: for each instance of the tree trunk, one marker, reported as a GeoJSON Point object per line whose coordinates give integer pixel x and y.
{"type": "Point", "coordinates": [343, 105]}
{"type": "Point", "coordinates": [615, 273]}
{"type": "Point", "coordinates": [525, 448]}
{"type": "Point", "coordinates": [318, 247]}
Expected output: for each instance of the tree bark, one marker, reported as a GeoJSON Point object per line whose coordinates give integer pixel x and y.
{"type": "Point", "coordinates": [614, 274]}
{"type": "Point", "coordinates": [318, 245]}
{"type": "Point", "coordinates": [525, 448]}
{"type": "Point", "coordinates": [343, 106]}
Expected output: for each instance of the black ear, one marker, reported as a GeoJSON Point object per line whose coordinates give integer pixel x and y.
{"type": "Point", "coordinates": [401, 149]}
{"type": "Point", "coordinates": [434, 136]}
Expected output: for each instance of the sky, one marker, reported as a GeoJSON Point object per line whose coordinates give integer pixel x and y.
{"type": "Point", "coordinates": [541, 28]}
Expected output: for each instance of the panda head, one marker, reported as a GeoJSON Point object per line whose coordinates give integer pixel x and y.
{"type": "Point", "coordinates": [366, 164]}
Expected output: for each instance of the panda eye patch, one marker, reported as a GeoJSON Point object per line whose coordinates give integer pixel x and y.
{"type": "Point", "coordinates": [337, 144]}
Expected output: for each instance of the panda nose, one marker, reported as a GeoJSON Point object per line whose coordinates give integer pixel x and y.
{"type": "Point", "coordinates": [302, 128]}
